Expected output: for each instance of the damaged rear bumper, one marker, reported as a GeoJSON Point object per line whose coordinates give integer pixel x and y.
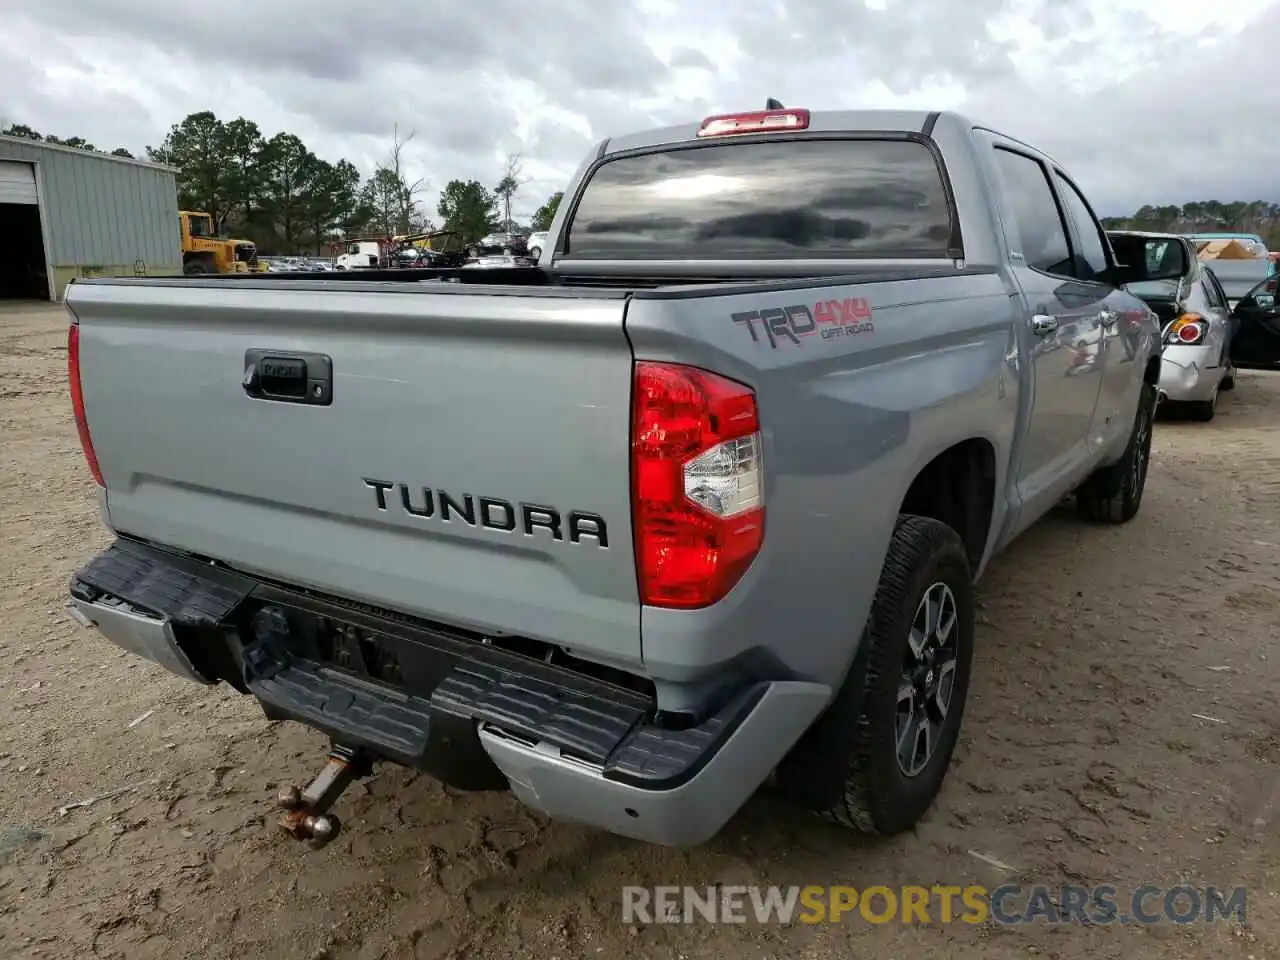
{"type": "Point", "coordinates": [1189, 374]}
{"type": "Point", "coordinates": [478, 716]}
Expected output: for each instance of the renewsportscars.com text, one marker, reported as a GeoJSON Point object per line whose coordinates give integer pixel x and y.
{"type": "Point", "coordinates": [1009, 904]}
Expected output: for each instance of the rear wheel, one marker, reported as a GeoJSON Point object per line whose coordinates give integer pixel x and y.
{"type": "Point", "coordinates": [1113, 493]}
{"type": "Point", "coordinates": [1204, 410]}
{"type": "Point", "coordinates": [535, 252]}
{"type": "Point", "coordinates": [877, 758]}
{"type": "Point", "coordinates": [196, 267]}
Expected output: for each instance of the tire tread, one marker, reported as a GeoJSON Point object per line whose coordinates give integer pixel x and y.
{"type": "Point", "coordinates": [917, 541]}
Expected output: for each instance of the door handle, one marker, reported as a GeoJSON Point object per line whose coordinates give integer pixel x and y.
{"type": "Point", "coordinates": [288, 377]}
{"type": "Point", "coordinates": [1042, 324]}
{"type": "Point", "coordinates": [1108, 318]}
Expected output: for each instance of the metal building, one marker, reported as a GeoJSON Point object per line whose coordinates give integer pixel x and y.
{"type": "Point", "coordinates": [68, 213]}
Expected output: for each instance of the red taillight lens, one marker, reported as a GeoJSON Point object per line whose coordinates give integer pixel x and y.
{"type": "Point", "coordinates": [77, 402]}
{"type": "Point", "coordinates": [697, 475]}
{"type": "Point", "coordinates": [1188, 330]}
{"type": "Point", "coordinates": [759, 121]}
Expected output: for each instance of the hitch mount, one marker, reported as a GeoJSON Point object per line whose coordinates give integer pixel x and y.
{"type": "Point", "coordinates": [307, 814]}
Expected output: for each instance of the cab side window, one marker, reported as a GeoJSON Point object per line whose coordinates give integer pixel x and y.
{"type": "Point", "coordinates": [1091, 255]}
{"type": "Point", "coordinates": [1042, 234]}
{"type": "Point", "coordinates": [1213, 292]}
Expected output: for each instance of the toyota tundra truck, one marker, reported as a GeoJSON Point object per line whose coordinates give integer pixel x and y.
{"type": "Point", "coordinates": [695, 503]}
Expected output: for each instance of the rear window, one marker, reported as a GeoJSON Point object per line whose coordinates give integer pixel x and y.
{"type": "Point", "coordinates": [782, 200]}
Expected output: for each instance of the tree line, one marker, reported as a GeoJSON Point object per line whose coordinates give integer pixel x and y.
{"type": "Point", "coordinates": [278, 193]}
{"type": "Point", "coordinates": [1206, 216]}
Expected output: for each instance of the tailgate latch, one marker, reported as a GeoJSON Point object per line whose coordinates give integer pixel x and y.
{"type": "Point", "coordinates": [305, 378]}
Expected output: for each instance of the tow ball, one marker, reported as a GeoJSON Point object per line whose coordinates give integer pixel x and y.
{"type": "Point", "coordinates": [307, 817]}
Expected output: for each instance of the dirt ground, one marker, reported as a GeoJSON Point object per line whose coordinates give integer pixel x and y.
{"type": "Point", "coordinates": [1082, 758]}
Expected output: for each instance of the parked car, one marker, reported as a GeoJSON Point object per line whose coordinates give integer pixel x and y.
{"type": "Point", "coordinates": [1196, 322]}
{"type": "Point", "coordinates": [537, 240]}
{"type": "Point", "coordinates": [502, 244]}
{"type": "Point", "coordinates": [700, 499]}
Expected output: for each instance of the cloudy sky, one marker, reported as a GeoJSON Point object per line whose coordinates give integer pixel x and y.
{"type": "Point", "coordinates": [1159, 101]}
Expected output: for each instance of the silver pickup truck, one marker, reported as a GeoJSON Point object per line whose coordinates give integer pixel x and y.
{"type": "Point", "coordinates": [696, 501]}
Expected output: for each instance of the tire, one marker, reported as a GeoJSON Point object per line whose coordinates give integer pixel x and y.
{"type": "Point", "coordinates": [847, 767]}
{"type": "Point", "coordinates": [1113, 493]}
{"type": "Point", "coordinates": [535, 253]}
{"type": "Point", "coordinates": [196, 268]}
{"type": "Point", "coordinates": [1203, 411]}
{"type": "Point", "coordinates": [1228, 381]}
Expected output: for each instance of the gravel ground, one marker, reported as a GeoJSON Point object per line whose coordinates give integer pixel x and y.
{"type": "Point", "coordinates": [1082, 758]}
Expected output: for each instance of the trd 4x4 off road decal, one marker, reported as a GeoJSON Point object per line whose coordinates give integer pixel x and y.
{"type": "Point", "coordinates": [827, 319]}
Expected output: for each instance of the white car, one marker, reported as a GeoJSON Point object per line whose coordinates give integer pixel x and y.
{"type": "Point", "coordinates": [537, 240]}
{"type": "Point", "coordinates": [1196, 325]}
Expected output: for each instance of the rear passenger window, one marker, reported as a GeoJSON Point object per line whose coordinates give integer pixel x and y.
{"type": "Point", "coordinates": [1041, 232]}
{"type": "Point", "coordinates": [1091, 257]}
{"type": "Point", "coordinates": [1211, 292]}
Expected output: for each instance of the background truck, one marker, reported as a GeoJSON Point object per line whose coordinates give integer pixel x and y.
{"type": "Point", "coordinates": [364, 253]}
{"type": "Point", "coordinates": [205, 253]}
{"type": "Point", "coordinates": [1240, 261]}
{"type": "Point", "coordinates": [698, 500]}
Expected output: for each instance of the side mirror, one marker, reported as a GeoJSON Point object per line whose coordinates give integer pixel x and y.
{"type": "Point", "coordinates": [1140, 259]}
{"type": "Point", "coordinates": [1262, 298]}
{"type": "Point", "coordinates": [1258, 303]}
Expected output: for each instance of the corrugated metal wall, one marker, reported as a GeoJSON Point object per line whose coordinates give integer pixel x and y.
{"type": "Point", "coordinates": [103, 211]}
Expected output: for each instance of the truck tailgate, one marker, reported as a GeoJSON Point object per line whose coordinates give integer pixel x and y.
{"type": "Point", "coordinates": [472, 466]}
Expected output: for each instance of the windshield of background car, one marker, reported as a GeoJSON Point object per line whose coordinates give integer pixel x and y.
{"type": "Point", "coordinates": [836, 199]}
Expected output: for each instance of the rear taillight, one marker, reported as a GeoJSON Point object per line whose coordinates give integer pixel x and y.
{"type": "Point", "coordinates": [77, 402]}
{"type": "Point", "coordinates": [1189, 330]}
{"type": "Point", "coordinates": [697, 484]}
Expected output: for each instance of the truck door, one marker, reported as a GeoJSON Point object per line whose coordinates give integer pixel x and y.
{"type": "Point", "coordinates": [1256, 343]}
{"type": "Point", "coordinates": [1060, 344]}
{"type": "Point", "coordinates": [1121, 382]}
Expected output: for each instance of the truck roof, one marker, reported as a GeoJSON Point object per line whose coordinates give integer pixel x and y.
{"type": "Point", "coordinates": [820, 121]}
{"type": "Point", "coordinates": [1154, 234]}
{"type": "Point", "coordinates": [833, 121]}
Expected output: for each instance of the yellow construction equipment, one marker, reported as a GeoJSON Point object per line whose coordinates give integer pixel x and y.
{"type": "Point", "coordinates": [205, 252]}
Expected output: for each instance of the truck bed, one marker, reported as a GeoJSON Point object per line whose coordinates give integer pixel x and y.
{"type": "Point", "coordinates": [688, 279]}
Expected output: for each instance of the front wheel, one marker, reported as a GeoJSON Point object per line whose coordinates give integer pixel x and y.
{"type": "Point", "coordinates": [877, 758]}
{"type": "Point", "coordinates": [535, 253]}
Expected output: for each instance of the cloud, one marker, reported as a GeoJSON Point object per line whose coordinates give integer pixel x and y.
{"type": "Point", "coordinates": [1144, 101]}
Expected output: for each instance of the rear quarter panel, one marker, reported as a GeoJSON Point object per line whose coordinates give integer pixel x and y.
{"type": "Point", "coordinates": [850, 414]}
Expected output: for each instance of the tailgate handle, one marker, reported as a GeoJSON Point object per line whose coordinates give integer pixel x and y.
{"type": "Point", "coordinates": [288, 377]}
